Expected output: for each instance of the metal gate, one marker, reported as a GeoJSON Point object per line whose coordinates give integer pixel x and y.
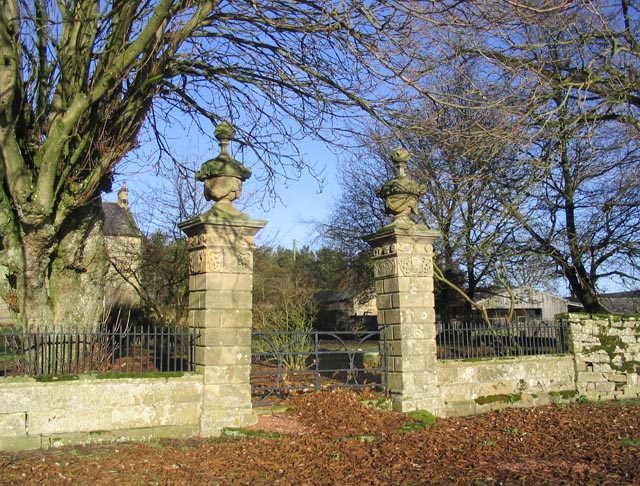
{"type": "Point", "coordinates": [295, 362]}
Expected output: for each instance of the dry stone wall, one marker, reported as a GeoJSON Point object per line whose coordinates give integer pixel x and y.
{"type": "Point", "coordinates": [468, 388]}
{"type": "Point", "coordinates": [607, 355]}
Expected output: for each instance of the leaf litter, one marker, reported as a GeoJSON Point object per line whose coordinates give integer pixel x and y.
{"type": "Point", "coordinates": [331, 438]}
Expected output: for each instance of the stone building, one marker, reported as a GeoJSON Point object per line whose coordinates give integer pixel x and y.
{"type": "Point", "coordinates": [621, 302]}
{"type": "Point", "coordinates": [346, 310]}
{"type": "Point", "coordinates": [124, 242]}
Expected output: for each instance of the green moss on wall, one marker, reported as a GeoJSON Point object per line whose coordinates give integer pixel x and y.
{"type": "Point", "coordinates": [55, 378]}
{"type": "Point", "coordinates": [600, 317]}
{"type": "Point", "coordinates": [503, 398]}
{"type": "Point", "coordinates": [154, 374]}
{"type": "Point", "coordinates": [423, 416]}
{"type": "Point", "coordinates": [612, 345]}
{"type": "Point", "coordinates": [564, 394]}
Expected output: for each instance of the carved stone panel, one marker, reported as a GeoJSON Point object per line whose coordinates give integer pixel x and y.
{"type": "Point", "coordinates": [214, 260]}
{"type": "Point", "coordinates": [244, 262]}
{"type": "Point", "coordinates": [197, 261]}
{"type": "Point", "coordinates": [416, 266]}
{"type": "Point", "coordinates": [203, 240]}
{"type": "Point", "coordinates": [383, 250]}
{"type": "Point", "coordinates": [386, 267]}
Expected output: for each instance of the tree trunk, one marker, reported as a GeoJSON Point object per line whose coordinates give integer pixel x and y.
{"type": "Point", "coordinates": [584, 291]}
{"type": "Point", "coordinates": [61, 282]}
{"type": "Point", "coordinates": [79, 269]}
{"type": "Point", "coordinates": [582, 285]}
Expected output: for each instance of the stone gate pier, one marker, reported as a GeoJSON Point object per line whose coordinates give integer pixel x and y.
{"type": "Point", "coordinates": [221, 246]}
{"type": "Point", "coordinates": [403, 273]}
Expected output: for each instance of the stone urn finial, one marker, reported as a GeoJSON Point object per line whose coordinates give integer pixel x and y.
{"type": "Point", "coordinates": [401, 193]}
{"type": "Point", "coordinates": [223, 176]}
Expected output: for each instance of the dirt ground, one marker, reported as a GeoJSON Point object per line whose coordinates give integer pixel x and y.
{"type": "Point", "coordinates": [329, 438]}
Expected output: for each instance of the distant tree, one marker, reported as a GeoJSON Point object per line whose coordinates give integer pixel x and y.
{"type": "Point", "coordinates": [330, 269]}
{"type": "Point", "coordinates": [164, 279]}
{"type": "Point", "coordinates": [282, 293]}
{"type": "Point", "coordinates": [461, 173]}
{"type": "Point", "coordinates": [524, 119]}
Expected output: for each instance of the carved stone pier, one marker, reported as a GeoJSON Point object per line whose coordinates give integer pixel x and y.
{"type": "Point", "coordinates": [403, 272]}
{"type": "Point", "coordinates": [221, 246]}
{"type": "Point", "coordinates": [220, 303]}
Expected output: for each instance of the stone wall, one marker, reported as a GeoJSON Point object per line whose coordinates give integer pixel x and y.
{"type": "Point", "coordinates": [604, 364]}
{"type": "Point", "coordinates": [607, 355]}
{"type": "Point", "coordinates": [468, 388]}
{"type": "Point", "coordinates": [37, 415]}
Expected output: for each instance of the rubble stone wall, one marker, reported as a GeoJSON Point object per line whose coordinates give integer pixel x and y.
{"type": "Point", "coordinates": [606, 350]}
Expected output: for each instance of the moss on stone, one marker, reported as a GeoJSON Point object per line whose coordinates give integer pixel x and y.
{"type": "Point", "coordinates": [564, 394]}
{"type": "Point", "coordinates": [420, 420]}
{"type": "Point", "coordinates": [151, 374]}
{"type": "Point", "coordinates": [610, 345]}
{"type": "Point", "coordinates": [379, 403]}
{"type": "Point", "coordinates": [244, 433]}
{"type": "Point", "coordinates": [602, 317]}
{"type": "Point", "coordinates": [631, 366]}
{"type": "Point", "coordinates": [502, 398]}
{"type": "Point", "coordinates": [55, 378]}
{"type": "Point", "coordinates": [411, 427]}
{"type": "Point", "coordinates": [423, 416]}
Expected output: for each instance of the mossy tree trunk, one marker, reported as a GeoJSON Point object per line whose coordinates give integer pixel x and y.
{"type": "Point", "coordinates": [67, 118]}
{"type": "Point", "coordinates": [59, 275]}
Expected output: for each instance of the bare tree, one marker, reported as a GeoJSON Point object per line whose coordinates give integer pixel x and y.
{"type": "Point", "coordinates": [579, 191]}
{"type": "Point", "coordinates": [564, 76]}
{"type": "Point", "coordinates": [82, 82]}
{"type": "Point", "coordinates": [459, 170]}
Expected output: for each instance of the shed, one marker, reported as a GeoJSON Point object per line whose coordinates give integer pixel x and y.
{"type": "Point", "coordinates": [529, 304]}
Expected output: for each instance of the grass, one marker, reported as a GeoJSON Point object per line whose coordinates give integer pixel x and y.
{"type": "Point", "coordinates": [243, 433]}
{"type": "Point", "coordinates": [335, 345]}
{"type": "Point", "coordinates": [630, 442]}
{"type": "Point", "coordinates": [631, 402]}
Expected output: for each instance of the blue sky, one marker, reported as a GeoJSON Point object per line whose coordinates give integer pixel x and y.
{"type": "Point", "coordinates": [301, 203]}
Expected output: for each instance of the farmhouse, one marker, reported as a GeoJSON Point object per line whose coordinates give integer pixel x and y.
{"type": "Point", "coordinates": [346, 310]}
{"type": "Point", "coordinates": [622, 302]}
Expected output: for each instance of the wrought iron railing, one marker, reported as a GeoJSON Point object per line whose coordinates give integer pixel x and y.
{"type": "Point", "coordinates": [293, 362]}
{"type": "Point", "coordinates": [62, 352]}
{"type": "Point", "coordinates": [462, 340]}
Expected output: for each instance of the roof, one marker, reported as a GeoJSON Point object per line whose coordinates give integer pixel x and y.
{"type": "Point", "coordinates": [329, 297]}
{"type": "Point", "coordinates": [118, 221]}
{"type": "Point", "coordinates": [621, 302]}
{"type": "Point", "coordinates": [524, 297]}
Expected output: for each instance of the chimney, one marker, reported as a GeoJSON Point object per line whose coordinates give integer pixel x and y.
{"type": "Point", "coordinates": [123, 196]}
